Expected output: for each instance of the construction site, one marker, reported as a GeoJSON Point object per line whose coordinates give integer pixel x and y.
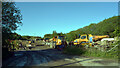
{"type": "Point", "coordinates": [53, 52]}
{"type": "Point", "coordinates": [56, 34]}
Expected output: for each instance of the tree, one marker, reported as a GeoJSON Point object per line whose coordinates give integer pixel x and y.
{"type": "Point", "coordinates": [54, 33]}
{"type": "Point", "coordinates": [11, 17]}
{"type": "Point", "coordinates": [47, 35]}
{"type": "Point", "coordinates": [60, 34]}
{"type": "Point", "coordinates": [11, 20]}
{"type": "Point", "coordinates": [106, 27]}
{"type": "Point", "coordinates": [117, 32]}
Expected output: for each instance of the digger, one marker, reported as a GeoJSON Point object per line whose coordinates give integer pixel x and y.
{"type": "Point", "coordinates": [59, 42]}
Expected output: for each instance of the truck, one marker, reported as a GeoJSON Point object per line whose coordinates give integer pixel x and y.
{"type": "Point", "coordinates": [30, 44]}
{"type": "Point", "coordinates": [88, 39]}
{"type": "Point", "coordinates": [85, 39]}
{"type": "Point", "coordinates": [59, 42]}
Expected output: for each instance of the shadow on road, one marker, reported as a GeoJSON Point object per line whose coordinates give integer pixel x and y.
{"type": "Point", "coordinates": [72, 63]}
{"type": "Point", "coordinates": [34, 58]}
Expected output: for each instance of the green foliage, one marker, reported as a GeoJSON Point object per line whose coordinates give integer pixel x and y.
{"type": "Point", "coordinates": [48, 36]}
{"type": "Point", "coordinates": [71, 36]}
{"type": "Point", "coordinates": [30, 37]}
{"type": "Point", "coordinates": [15, 36]}
{"type": "Point", "coordinates": [11, 17]}
{"type": "Point", "coordinates": [117, 32]}
{"type": "Point", "coordinates": [106, 27]}
{"type": "Point", "coordinates": [11, 20]}
{"type": "Point", "coordinates": [93, 52]}
{"type": "Point", "coordinates": [74, 50]}
{"type": "Point", "coordinates": [53, 34]}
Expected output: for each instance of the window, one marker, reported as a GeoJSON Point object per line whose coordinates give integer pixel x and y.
{"type": "Point", "coordinates": [60, 37]}
{"type": "Point", "coordinates": [83, 37]}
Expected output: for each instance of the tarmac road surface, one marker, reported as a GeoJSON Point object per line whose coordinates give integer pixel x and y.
{"type": "Point", "coordinates": [45, 56]}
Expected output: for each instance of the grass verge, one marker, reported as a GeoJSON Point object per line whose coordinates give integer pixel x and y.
{"type": "Point", "coordinates": [91, 52]}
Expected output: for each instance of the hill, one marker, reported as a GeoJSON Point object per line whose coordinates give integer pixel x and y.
{"type": "Point", "coordinates": [106, 27]}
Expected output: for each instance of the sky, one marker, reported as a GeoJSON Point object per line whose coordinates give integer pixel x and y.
{"type": "Point", "coordinates": [40, 18]}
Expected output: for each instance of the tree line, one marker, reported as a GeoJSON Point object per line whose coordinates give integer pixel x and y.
{"type": "Point", "coordinates": [108, 26]}
{"type": "Point", "coordinates": [53, 34]}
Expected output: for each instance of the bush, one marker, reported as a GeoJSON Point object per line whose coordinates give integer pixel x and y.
{"type": "Point", "coordinates": [93, 52]}
{"type": "Point", "coordinates": [74, 50]}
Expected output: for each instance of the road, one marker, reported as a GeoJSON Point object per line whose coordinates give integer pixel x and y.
{"type": "Point", "coordinates": [45, 56]}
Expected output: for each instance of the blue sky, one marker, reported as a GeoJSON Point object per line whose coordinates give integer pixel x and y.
{"type": "Point", "coordinates": [40, 18]}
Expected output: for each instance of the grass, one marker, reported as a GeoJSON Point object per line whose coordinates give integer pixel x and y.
{"type": "Point", "coordinates": [97, 53]}
{"type": "Point", "coordinates": [74, 50]}
{"type": "Point", "coordinates": [91, 52]}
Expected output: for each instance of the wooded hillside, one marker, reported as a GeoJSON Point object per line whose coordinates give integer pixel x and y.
{"type": "Point", "coordinates": [108, 26]}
